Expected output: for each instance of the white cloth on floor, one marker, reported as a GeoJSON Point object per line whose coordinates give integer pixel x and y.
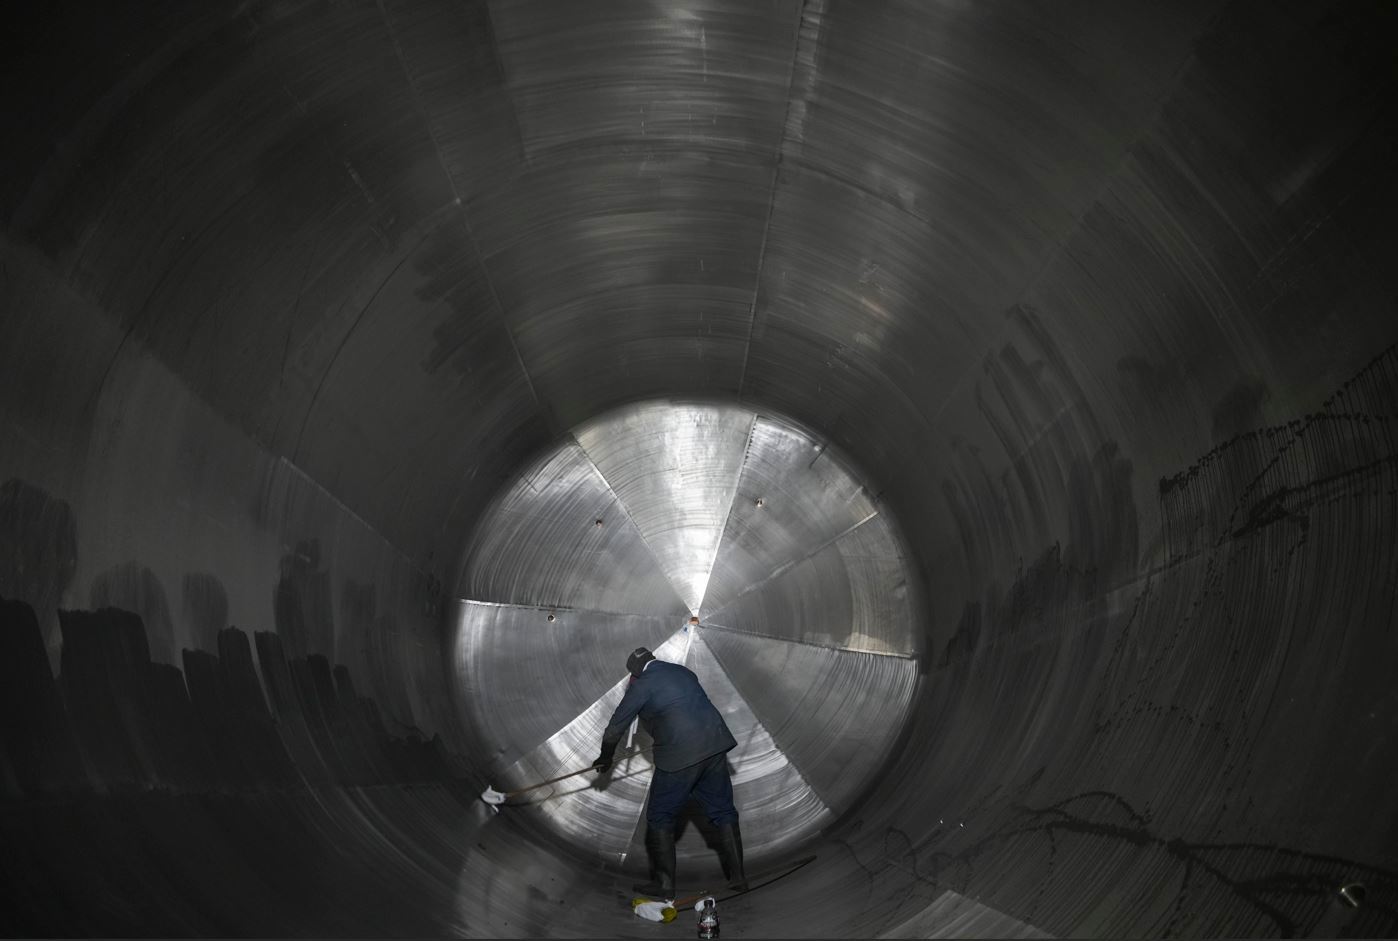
{"type": "Point", "coordinates": [654, 911]}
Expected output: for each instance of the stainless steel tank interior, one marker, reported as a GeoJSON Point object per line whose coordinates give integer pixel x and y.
{"type": "Point", "coordinates": [347, 343]}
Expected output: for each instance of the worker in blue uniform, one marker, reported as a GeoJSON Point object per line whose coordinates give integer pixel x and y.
{"type": "Point", "coordinates": [691, 757]}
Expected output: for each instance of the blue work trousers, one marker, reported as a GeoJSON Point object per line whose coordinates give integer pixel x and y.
{"type": "Point", "coordinates": [707, 780]}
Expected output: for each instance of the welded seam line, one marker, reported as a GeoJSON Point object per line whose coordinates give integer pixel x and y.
{"type": "Point", "coordinates": [718, 661]}
{"type": "Point", "coordinates": [807, 643]}
{"type": "Point", "coordinates": [772, 194]}
{"type": "Point", "coordinates": [565, 609]}
{"type": "Point", "coordinates": [534, 750]}
{"type": "Point", "coordinates": [659, 563]}
{"type": "Point", "coordinates": [426, 118]}
{"type": "Point", "coordinates": [759, 725]}
{"type": "Point", "coordinates": [344, 508]}
{"type": "Point", "coordinates": [344, 341]}
{"type": "Point", "coordinates": [508, 88]}
{"type": "Point", "coordinates": [533, 517]}
{"type": "Point", "coordinates": [788, 566]}
{"type": "Point", "coordinates": [732, 501]}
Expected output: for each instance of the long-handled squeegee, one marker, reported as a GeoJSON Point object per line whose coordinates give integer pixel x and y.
{"type": "Point", "coordinates": [496, 798]}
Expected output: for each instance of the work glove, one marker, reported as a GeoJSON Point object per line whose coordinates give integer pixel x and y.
{"type": "Point", "coordinates": [603, 764]}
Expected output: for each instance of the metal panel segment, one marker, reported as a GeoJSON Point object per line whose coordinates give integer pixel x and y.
{"type": "Point", "coordinates": [793, 496]}
{"type": "Point", "coordinates": [523, 676]}
{"type": "Point", "coordinates": [852, 594]}
{"type": "Point", "coordinates": [603, 817]}
{"type": "Point", "coordinates": [883, 616]}
{"type": "Point", "coordinates": [675, 468]}
{"type": "Point", "coordinates": [559, 536]}
{"type": "Point", "coordinates": [709, 75]}
{"type": "Point", "coordinates": [673, 480]}
{"type": "Point", "coordinates": [648, 279]}
{"type": "Point", "coordinates": [833, 713]}
{"type": "Point", "coordinates": [631, 231]}
{"type": "Point", "coordinates": [779, 807]}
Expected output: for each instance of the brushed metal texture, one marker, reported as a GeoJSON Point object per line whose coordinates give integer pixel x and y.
{"type": "Point", "coordinates": [811, 576]}
{"type": "Point", "coordinates": [834, 714]}
{"type": "Point", "coordinates": [523, 676]}
{"type": "Point", "coordinates": [559, 536]}
{"type": "Point", "coordinates": [675, 467]}
{"type": "Point", "coordinates": [598, 820]}
{"type": "Point", "coordinates": [793, 495]}
{"type": "Point", "coordinates": [851, 594]}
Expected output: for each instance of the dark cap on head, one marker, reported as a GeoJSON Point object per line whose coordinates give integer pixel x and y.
{"type": "Point", "coordinates": [638, 660]}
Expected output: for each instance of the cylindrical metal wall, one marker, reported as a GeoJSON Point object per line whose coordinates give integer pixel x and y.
{"type": "Point", "coordinates": [401, 365]}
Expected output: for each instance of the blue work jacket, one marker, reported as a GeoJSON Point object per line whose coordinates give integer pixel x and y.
{"type": "Point", "coordinates": [675, 712]}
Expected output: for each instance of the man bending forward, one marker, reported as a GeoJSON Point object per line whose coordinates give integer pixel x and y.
{"type": "Point", "coordinates": [691, 757]}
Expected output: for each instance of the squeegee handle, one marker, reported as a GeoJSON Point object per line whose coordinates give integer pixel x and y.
{"type": "Point", "coordinates": [561, 777]}
{"type": "Point", "coordinates": [564, 777]}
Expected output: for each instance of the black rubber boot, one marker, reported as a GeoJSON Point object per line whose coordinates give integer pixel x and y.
{"type": "Point", "coordinates": [660, 847]}
{"type": "Point", "coordinates": [730, 853]}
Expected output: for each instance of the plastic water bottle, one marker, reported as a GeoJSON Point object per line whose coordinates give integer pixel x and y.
{"type": "Point", "coordinates": [708, 919]}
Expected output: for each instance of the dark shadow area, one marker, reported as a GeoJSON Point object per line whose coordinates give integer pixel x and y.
{"type": "Point", "coordinates": [301, 601]}
{"type": "Point", "coordinates": [140, 725]}
{"type": "Point", "coordinates": [135, 588]}
{"type": "Point", "coordinates": [204, 607]}
{"type": "Point", "coordinates": [38, 551]}
{"type": "Point", "coordinates": [136, 796]}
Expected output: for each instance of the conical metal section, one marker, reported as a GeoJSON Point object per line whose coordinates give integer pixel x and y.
{"type": "Point", "coordinates": [797, 583]}
{"type": "Point", "coordinates": [523, 676]}
{"type": "Point", "coordinates": [675, 468]}
{"type": "Point", "coordinates": [834, 714]}
{"type": "Point", "coordinates": [601, 818]}
{"type": "Point", "coordinates": [852, 595]}
{"type": "Point", "coordinates": [559, 536]}
{"type": "Point", "coordinates": [792, 497]}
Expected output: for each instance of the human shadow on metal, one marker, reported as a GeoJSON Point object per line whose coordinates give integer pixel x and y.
{"type": "Point", "coordinates": [38, 553]}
